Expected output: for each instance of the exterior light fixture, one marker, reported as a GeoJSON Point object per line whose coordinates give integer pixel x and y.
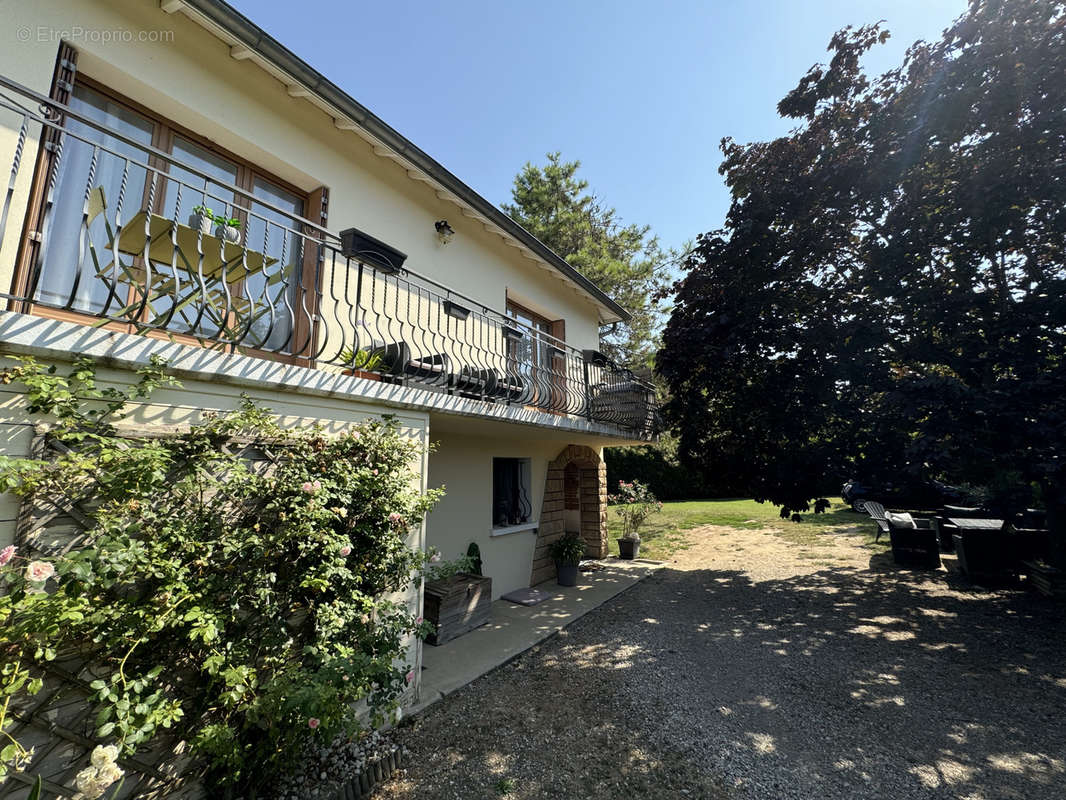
{"type": "Point", "coordinates": [445, 232]}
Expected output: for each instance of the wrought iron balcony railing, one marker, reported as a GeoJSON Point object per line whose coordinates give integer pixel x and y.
{"type": "Point", "coordinates": [120, 233]}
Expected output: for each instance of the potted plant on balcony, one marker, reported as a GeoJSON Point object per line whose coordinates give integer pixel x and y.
{"type": "Point", "coordinates": [634, 503]}
{"type": "Point", "coordinates": [228, 228]}
{"type": "Point", "coordinates": [567, 551]}
{"type": "Point", "coordinates": [360, 363]}
{"type": "Point", "coordinates": [202, 219]}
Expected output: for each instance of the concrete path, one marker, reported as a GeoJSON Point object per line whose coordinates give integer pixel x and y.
{"type": "Point", "coordinates": [513, 628]}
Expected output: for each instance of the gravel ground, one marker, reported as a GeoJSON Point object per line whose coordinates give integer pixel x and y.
{"type": "Point", "coordinates": [754, 668]}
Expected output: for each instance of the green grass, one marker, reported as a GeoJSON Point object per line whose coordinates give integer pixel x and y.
{"type": "Point", "coordinates": [663, 534]}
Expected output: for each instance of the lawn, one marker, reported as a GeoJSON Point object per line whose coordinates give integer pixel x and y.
{"type": "Point", "coordinates": [663, 534]}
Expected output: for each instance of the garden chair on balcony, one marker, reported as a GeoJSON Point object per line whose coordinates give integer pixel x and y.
{"type": "Point", "coordinates": [398, 360]}
{"type": "Point", "coordinates": [511, 388]}
{"type": "Point", "coordinates": [472, 382]}
{"type": "Point", "coordinates": [211, 304]}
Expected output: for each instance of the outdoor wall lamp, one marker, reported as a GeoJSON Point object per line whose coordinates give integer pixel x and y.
{"type": "Point", "coordinates": [445, 232]}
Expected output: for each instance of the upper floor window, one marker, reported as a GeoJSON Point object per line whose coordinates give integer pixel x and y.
{"type": "Point", "coordinates": [127, 233]}
{"type": "Point", "coordinates": [531, 349]}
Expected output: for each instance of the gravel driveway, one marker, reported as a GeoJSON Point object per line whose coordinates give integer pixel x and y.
{"type": "Point", "coordinates": [754, 668]}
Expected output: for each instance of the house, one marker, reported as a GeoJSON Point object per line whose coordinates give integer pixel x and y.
{"type": "Point", "coordinates": [181, 184]}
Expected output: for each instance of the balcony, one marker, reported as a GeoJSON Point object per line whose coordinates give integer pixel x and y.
{"type": "Point", "coordinates": [119, 234]}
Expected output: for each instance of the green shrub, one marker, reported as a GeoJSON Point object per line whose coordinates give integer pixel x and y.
{"type": "Point", "coordinates": [247, 610]}
{"type": "Point", "coordinates": [568, 549]}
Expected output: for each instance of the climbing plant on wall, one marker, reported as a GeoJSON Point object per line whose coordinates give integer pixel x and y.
{"type": "Point", "coordinates": [235, 584]}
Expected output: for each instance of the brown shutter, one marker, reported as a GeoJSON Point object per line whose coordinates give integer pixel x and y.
{"type": "Point", "coordinates": [559, 329]}
{"type": "Point", "coordinates": [63, 75]}
{"type": "Point", "coordinates": [305, 332]}
{"type": "Point", "coordinates": [561, 363]}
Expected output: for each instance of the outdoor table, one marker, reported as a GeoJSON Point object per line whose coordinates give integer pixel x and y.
{"type": "Point", "coordinates": [963, 523]}
{"type": "Point", "coordinates": [220, 257]}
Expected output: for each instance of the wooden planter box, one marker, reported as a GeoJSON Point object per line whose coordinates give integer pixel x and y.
{"type": "Point", "coordinates": [915, 547]}
{"type": "Point", "coordinates": [456, 605]}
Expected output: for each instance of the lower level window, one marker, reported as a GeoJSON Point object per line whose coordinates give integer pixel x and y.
{"type": "Point", "coordinates": [511, 498]}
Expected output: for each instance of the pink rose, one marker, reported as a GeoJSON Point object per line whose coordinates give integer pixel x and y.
{"type": "Point", "coordinates": [435, 558]}
{"type": "Point", "coordinates": [375, 472]}
{"type": "Point", "coordinates": [7, 554]}
{"type": "Point", "coordinates": [346, 551]}
{"type": "Point", "coordinates": [313, 723]}
{"type": "Point", "coordinates": [311, 486]}
{"type": "Point", "coordinates": [39, 571]}
{"type": "Point", "coordinates": [395, 519]}
{"type": "Point", "coordinates": [418, 621]}
{"type": "Point", "coordinates": [410, 676]}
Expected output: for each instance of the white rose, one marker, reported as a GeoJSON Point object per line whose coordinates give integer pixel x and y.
{"type": "Point", "coordinates": [103, 755]}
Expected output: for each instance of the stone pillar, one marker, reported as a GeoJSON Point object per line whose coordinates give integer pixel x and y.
{"type": "Point", "coordinates": [593, 499]}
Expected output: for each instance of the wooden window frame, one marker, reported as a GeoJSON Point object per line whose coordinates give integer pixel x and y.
{"type": "Point", "coordinates": [555, 329]}
{"type": "Point", "coordinates": [315, 204]}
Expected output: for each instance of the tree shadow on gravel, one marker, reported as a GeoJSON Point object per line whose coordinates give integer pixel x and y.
{"type": "Point", "coordinates": [540, 728]}
{"type": "Point", "coordinates": [844, 682]}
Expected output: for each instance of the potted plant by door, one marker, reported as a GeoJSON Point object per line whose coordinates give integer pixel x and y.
{"type": "Point", "coordinates": [567, 551]}
{"type": "Point", "coordinates": [633, 502]}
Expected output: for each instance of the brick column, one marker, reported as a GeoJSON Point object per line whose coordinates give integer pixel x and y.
{"type": "Point", "coordinates": [593, 497]}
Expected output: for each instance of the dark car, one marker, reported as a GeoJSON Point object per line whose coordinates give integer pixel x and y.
{"type": "Point", "coordinates": [924, 494]}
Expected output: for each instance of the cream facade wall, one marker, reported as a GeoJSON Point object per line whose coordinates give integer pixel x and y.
{"type": "Point", "coordinates": [462, 464]}
{"type": "Point", "coordinates": [193, 80]}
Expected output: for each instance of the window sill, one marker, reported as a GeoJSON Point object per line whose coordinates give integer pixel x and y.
{"type": "Point", "coordinates": [506, 529]}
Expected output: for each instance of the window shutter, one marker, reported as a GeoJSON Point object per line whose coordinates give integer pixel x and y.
{"type": "Point", "coordinates": [63, 75]}
{"type": "Point", "coordinates": [559, 329]}
{"type": "Point", "coordinates": [65, 72]}
{"type": "Point", "coordinates": [559, 368]}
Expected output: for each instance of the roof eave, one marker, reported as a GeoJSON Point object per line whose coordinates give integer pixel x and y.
{"type": "Point", "coordinates": [251, 36]}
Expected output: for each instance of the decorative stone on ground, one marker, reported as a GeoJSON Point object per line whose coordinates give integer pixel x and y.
{"type": "Point", "coordinates": [347, 769]}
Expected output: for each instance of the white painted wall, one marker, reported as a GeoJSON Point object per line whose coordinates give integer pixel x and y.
{"type": "Point", "coordinates": [193, 81]}
{"type": "Point", "coordinates": [463, 465]}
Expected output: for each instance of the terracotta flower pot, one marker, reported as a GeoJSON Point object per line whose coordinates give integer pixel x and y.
{"type": "Point", "coordinates": [358, 373]}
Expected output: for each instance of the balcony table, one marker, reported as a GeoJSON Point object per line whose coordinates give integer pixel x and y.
{"type": "Point", "coordinates": [238, 261]}
{"type": "Point", "coordinates": [963, 523]}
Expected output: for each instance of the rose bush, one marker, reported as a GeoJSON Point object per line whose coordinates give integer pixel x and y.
{"type": "Point", "coordinates": [634, 503]}
{"type": "Point", "coordinates": [248, 610]}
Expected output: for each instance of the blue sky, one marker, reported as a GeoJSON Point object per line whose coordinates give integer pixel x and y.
{"type": "Point", "coordinates": [640, 92]}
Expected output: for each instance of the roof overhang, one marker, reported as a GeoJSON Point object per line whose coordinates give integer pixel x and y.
{"type": "Point", "coordinates": [247, 41]}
